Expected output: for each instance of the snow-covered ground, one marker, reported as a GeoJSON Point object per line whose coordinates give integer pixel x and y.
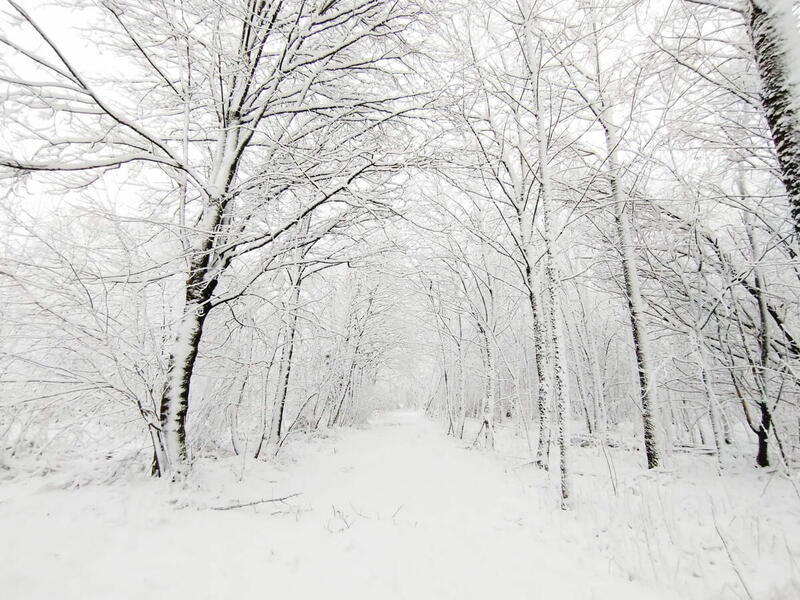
{"type": "Point", "coordinates": [398, 510]}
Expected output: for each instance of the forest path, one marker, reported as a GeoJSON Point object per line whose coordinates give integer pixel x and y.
{"type": "Point", "coordinates": [394, 510]}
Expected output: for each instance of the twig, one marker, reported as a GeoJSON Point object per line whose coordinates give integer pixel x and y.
{"type": "Point", "coordinates": [340, 515]}
{"type": "Point", "coordinates": [474, 443]}
{"type": "Point", "coordinates": [394, 514]}
{"type": "Point", "coordinates": [612, 471]}
{"type": "Point", "coordinates": [255, 502]}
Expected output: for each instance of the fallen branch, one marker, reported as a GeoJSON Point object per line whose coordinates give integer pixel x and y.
{"type": "Point", "coordinates": [255, 502]}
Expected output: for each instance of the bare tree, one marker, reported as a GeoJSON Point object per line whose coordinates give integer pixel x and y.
{"type": "Point", "coordinates": [257, 103]}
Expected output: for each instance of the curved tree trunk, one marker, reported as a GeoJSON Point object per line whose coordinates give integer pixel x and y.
{"type": "Point", "coordinates": [180, 366]}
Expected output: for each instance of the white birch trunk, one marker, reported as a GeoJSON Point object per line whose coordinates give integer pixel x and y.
{"type": "Point", "coordinates": [532, 60]}
{"type": "Point", "coordinates": [560, 381]}
{"type": "Point", "coordinates": [491, 391]}
{"type": "Point", "coordinates": [555, 334]}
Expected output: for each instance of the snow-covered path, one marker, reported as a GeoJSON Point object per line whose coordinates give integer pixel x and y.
{"type": "Point", "coordinates": [396, 510]}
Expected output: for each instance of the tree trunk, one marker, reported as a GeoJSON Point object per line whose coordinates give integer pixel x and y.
{"type": "Point", "coordinates": [180, 366]}
{"type": "Point", "coordinates": [543, 391]}
{"type": "Point", "coordinates": [760, 370]}
{"type": "Point", "coordinates": [462, 383]}
{"type": "Point", "coordinates": [776, 43]}
{"type": "Point", "coordinates": [601, 414]}
{"type": "Point", "coordinates": [560, 384]}
{"type": "Point", "coordinates": [235, 408]}
{"type": "Point", "coordinates": [440, 323]}
{"type": "Point", "coordinates": [560, 381]}
{"type": "Point", "coordinates": [590, 416]}
{"type": "Point", "coordinates": [647, 391]}
{"type": "Point", "coordinates": [713, 404]}
{"type": "Point", "coordinates": [532, 62]}
{"type": "Point", "coordinates": [762, 459]}
{"type": "Point", "coordinates": [199, 289]}
{"type": "Point", "coordinates": [286, 370]}
{"type": "Point", "coordinates": [491, 385]}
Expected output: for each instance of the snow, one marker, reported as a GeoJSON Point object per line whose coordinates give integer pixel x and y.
{"type": "Point", "coordinates": [785, 20]}
{"type": "Point", "coordinates": [398, 510]}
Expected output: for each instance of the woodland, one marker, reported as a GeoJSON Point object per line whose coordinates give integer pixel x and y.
{"type": "Point", "coordinates": [558, 236]}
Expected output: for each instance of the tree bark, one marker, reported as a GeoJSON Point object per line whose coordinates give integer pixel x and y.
{"type": "Point", "coordinates": [647, 392]}
{"type": "Point", "coordinates": [532, 62]}
{"type": "Point", "coordinates": [776, 44]}
{"type": "Point", "coordinates": [560, 381]}
{"type": "Point", "coordinates": [762, 459]}
{"type": "Point", "coordinates": [491, 385]}
{"type": "Point", "coordinates": [180, 366]}
{"type": "Point", "coordinates": [462, 382]}
{"type": "Point", "coordinates": [760, 370]}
